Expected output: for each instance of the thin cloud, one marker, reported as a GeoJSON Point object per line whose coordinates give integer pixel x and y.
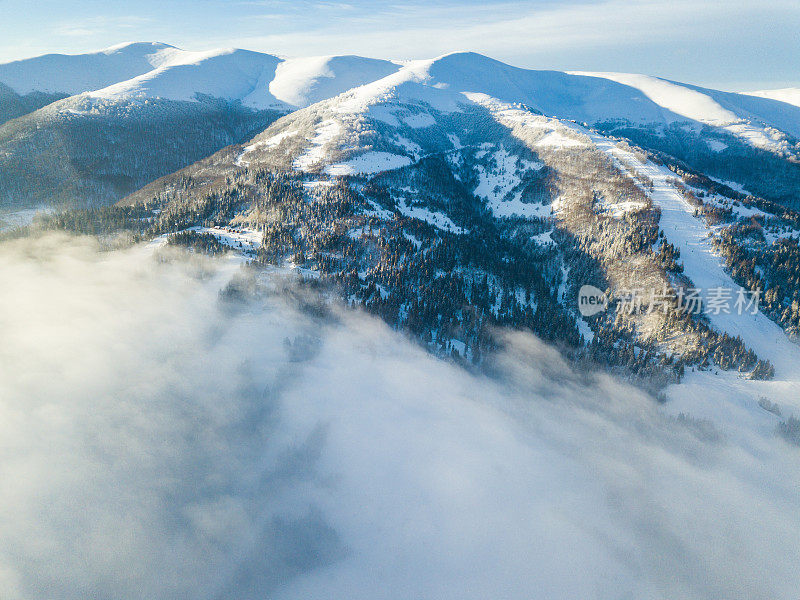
{"type": "Point", "coordinates": [632, 35]}
{"type": "Point", "coordinates": [99, 26]}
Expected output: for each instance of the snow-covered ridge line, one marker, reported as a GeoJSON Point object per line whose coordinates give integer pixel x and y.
{"type": "Point", "coordinates": [135, 71]}
{"type": "Point", "coordinates": [787, 95]}
{"type": "Point", "coordinates": [263, 81]}
{"type": "Point", "coordinates": [76, 73]}
{"type": "Point", "coordinates": [694, 105]}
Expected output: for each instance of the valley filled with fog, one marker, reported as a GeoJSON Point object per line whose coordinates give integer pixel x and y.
{"type": "Point", "coordinates": [177, 426]}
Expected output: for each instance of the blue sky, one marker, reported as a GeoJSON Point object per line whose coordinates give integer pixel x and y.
{"type": "Point", "coordinates": [729, 44]}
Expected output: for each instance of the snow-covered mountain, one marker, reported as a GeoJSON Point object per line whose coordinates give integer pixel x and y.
{"type": "Point", "coordinates": [75, 73]}
{"type": "Point", "coordinates": [641, 227]}
{"type": "Point", "coordinates": [176, 106]}
{"type": "Point", "coordinates": [517, 187]}
{"type": "Point", "coordinates": [787, 95]}
{"type": "Point", "coordinates": [569, 177]}
{"type": "Point", "coordinates": [259, 81]}
{"type": "Point", "coordinates": [145, 70]}
{"type": "Point", "coordinates": [135, 112]}
{"type": "Point", "coordinates": [116, 97]}
{"type": "Point", "coordinates": [29, 84]}
{"type": "Point", "coordinates": [732, 137]}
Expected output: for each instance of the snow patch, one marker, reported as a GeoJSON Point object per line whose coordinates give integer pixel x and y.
{"type": "Point", "coordinates": [543, 239]}
{"type": "Point", "coordinates": [557, 139]}
{"type": "Point", "coordinates": [419, 120]}
{"type": "Point", "coordinates": [270, 142]}
{"type": "Point", "coordinates": [408, 145]}
{"type": "Point", "coordinates": [325, 132]}
{"type": "Point", "coordinates": [238, 238]}
{"type": "Point", "coordinates": [437, 219]}
{"type": "Point", "coordinates": [497, 182]}
{"type": "Point", "coordinates": [368, 163]}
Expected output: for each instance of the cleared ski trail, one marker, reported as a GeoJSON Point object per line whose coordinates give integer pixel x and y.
{"type": "Point", "coordinates": [704, 267]}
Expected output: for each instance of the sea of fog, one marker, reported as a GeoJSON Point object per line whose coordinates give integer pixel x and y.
{"type": "Point", "coordinates": [177, 427]}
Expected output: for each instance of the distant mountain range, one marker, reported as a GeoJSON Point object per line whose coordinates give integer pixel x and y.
{"type": "Point", "coordinates": [70, 121]}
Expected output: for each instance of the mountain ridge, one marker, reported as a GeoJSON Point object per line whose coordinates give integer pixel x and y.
{"type": "Point", "coordinates": [414, 157]}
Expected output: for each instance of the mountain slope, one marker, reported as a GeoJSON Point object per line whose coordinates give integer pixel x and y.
{"type": "Point", "coordinates": [728, 111]}
{"type": "Point", "coordinates": [155, 70]}
{"type": "Point", "coordinates": [228, 74]}
{"type": "Point", "coordinates": [13, 105]}
{"type": "Point", "coordinates": [454, 195]}
{"type": "Point", "coordinates": [733, 137]}
{"type": "Point", "coordinates": [69, 153]}
{"type": "Point", "coordinates": [513, 211]}
{"type": "Point", "coordinates": [300, 82]}
{"type": "Point", "coordinates": [29, 84]}
{"type": "Point", "coordinates": [702, 264]}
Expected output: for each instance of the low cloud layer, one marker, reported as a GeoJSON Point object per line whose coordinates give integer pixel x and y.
{"type": "Point", "coordinates": [160, 439]}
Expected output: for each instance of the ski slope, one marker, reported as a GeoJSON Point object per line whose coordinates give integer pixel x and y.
{"type": "Point", "coordinates": [704, 267]}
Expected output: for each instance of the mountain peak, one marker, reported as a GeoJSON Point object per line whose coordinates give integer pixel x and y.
{"type": "Point", "coordinates": [75, 73]}
{"type": "Point", "coordinates": [137, 46]}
